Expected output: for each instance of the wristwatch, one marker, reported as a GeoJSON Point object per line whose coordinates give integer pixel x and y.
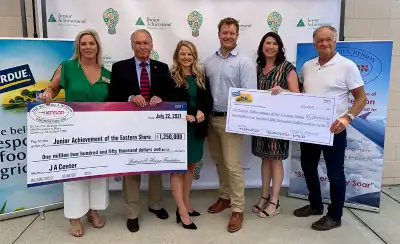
{"type": "Point", "coordinates": [350, 116]}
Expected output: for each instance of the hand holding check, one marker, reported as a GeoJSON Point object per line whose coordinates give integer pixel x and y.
{"type": "Point", "coordinates": [46, 96]}
{"type": "Point", "coordinates": [155, 100]}
{"type": "Point", "coordinates": [276, 89]}
{"type": "Point", "coordinates": [339, 124]}
{"type": "Point", "coordinates": [141, 102]}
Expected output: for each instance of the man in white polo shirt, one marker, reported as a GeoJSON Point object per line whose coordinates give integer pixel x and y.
{"type": "Point", "coordinates": [330, 74]}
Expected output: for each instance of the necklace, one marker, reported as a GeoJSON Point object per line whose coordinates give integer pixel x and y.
{"type": "Point", "coordinates": [84, 69]}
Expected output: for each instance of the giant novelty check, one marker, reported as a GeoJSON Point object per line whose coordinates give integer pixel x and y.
{"type": "Point", "coordinates": [288, 116]}
{"type": "Point", "coordinates": [75, 141]}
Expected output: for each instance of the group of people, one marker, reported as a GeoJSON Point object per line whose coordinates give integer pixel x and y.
{"type": "Point", "coordinates": [147, 82]}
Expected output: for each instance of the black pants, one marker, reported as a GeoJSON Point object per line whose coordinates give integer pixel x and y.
{"type": "Point", "coordinates": [334, 159]}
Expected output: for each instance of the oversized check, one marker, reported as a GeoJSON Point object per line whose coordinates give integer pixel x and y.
{"type": "Point", "coordinates": [75, 141]}
{"type": "Point", "coordinates": [288, 116]}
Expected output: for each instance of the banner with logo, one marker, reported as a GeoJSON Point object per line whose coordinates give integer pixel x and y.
{"type": "Point", "coordinates": [195, 21]}
{"type": "Point", "coordinates": [365, 135]}
{"type": "Point", "coordinates": [26, 66]}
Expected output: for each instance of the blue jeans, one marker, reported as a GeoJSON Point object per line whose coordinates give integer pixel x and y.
{"type": "Point", "coordinates": [334, 159]}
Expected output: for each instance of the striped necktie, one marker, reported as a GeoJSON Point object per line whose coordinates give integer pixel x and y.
{"type": "Point", "coordinates": [144, 82]}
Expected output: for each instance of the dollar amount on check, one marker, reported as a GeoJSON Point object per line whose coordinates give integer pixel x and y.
{"type": "Point", "coordinates": [75, 141]}
{"type": "Point", "coordinates": [288, 116]}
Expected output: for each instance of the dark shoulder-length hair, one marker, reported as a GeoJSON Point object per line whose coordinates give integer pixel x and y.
{"type": "Point", "coordinates": [280, 57]}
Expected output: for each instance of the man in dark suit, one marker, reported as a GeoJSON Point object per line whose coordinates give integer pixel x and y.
{"type": "Point", "coordinates": [142, 81]}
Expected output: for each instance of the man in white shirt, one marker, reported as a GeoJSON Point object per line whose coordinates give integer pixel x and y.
{"type": "Point", "coordinates": [330, 74]}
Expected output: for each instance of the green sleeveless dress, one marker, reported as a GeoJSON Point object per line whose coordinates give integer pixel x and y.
{"type": "Point", "coordinates": [78, 88]}
{"type": "Point", "coordinates": [195, 146]}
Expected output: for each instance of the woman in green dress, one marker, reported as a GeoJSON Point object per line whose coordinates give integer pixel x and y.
{"type": "Point", "coordinates": [84, 79]}
{"type": "Point", "coordinates": [189, 85]}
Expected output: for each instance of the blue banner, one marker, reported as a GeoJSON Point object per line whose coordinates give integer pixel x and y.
{"type": "Point", "coordinates": [25, 69]}
{"type": "Point", "coordinates": [365, 136]}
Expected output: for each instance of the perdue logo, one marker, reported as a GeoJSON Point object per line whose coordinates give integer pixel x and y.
{"type": "Point", "coordinates": [235, 93]}
{"type": "Point", "coordinates": [15, 78]}
{"type": "Point", "coordinates": [242, 97]}
{"type": "Point", "coordinates": [52, 113]}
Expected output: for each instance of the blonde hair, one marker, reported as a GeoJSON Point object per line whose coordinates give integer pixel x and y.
{"type": "Point", "coordinates": [177, 71]}
{"type": "Point", "coordinates": [93, 33]}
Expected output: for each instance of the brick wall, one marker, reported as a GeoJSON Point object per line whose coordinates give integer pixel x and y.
{"type": "Point", "coordinates": [364, 20]}
{"type": "Point", "coordinates": [380, 20]}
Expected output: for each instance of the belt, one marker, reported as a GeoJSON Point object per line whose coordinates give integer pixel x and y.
{"type": "Point", "coordinates": [218, 114]}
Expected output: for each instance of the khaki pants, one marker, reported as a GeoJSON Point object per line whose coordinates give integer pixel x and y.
{"type": "Point", "coordinates": [226, 151]}
{"type": "Point", "coordinates": [131, 192]}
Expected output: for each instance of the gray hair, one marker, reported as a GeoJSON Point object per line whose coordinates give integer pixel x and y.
{"type": "Point", "coordinates": [331, 28]}
{"type": "Point", "coordinates": [143, 31]}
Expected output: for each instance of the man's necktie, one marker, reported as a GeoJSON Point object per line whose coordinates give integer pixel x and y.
{"type": "Point", "coordinates": [144, 82]}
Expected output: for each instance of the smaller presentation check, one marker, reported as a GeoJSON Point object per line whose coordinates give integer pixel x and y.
{"type": "Point", "coordinates": [288, 116]}
{"type": "Point", "coordinates": [76, 141]}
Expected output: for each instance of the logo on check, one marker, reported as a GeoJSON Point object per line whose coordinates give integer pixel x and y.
{"type": "Point", "coordinates": [52, 113]}
{"type": "Point", "coordinates": [242, 97]}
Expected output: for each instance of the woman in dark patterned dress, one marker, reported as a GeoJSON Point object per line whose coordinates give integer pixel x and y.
{"type": "Point", "coordinates": [276, 74]}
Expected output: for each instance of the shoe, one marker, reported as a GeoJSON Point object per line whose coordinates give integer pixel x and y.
{"type": "Point", "coordinates": [307, 211]}
{"type": "Point", "coordinates": [264, 214]}
{"type": "Point", "coordinates": [190, 226]}
{"type": "Point", "coordinates": [219, 206]}
{"type": "Point", "coordinates": [161, 213]}
{"type": "Point", "coordinates": [326, 223]}
{"type": "Point", "coordinates": [133, 225]}
{"type": "Point", "coordinates": [194, 214]}
{"type": "Point", "coordinates": [256, 208]}
{"type": "Point", "coordinates": [236, 222]}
